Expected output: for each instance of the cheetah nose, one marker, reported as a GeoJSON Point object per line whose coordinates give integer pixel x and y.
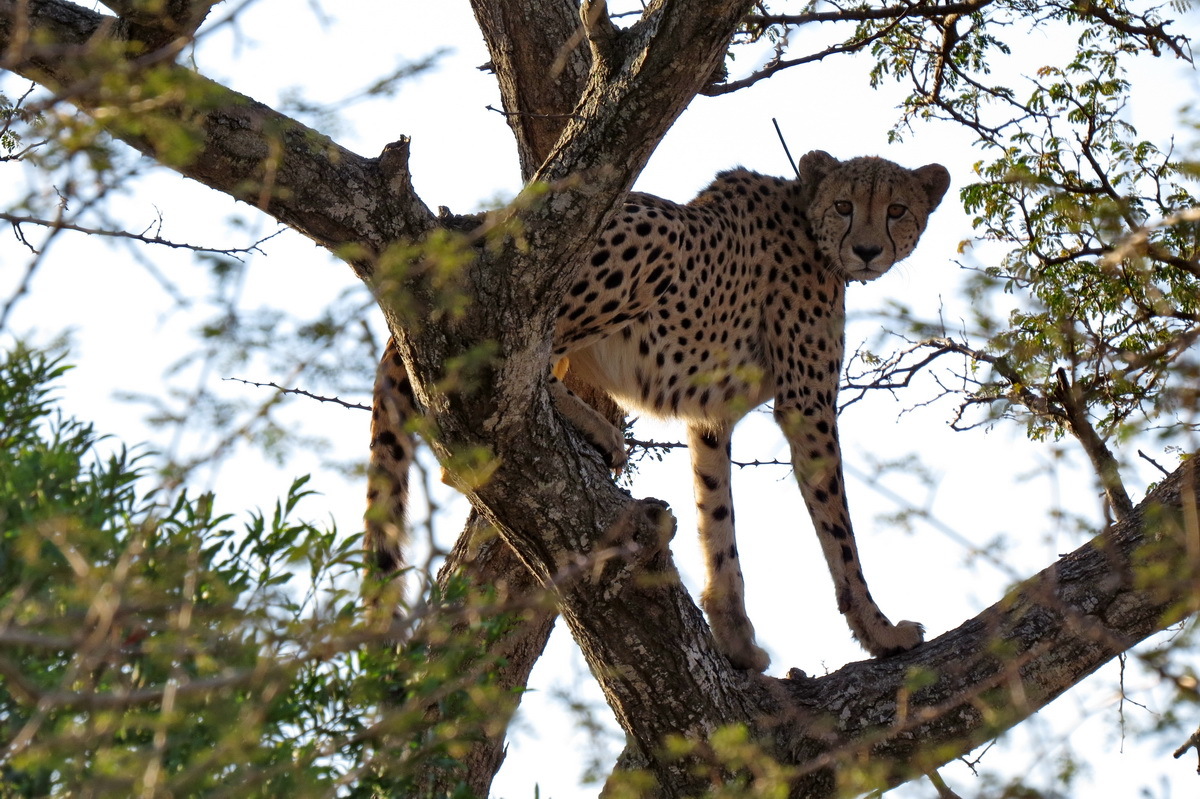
{"type": "Point", "coordinates": [867, 252]}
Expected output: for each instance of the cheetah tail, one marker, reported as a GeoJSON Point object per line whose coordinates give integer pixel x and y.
{"type": "Point", "coordinates": [392, 450]}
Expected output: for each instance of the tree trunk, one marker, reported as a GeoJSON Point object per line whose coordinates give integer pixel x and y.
{"type": "Point", "coordinates": [541, 63]}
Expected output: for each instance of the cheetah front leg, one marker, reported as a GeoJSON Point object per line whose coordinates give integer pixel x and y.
{"type": "Point", "coordinates": [599, 432]}
{"type": "Point", "coordinates": [817, 461]}
{"type": "Point", "coordinates": [724, 595]}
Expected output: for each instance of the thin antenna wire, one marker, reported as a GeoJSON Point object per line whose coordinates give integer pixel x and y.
{"type": "Point", "coordinates": [786, 151]}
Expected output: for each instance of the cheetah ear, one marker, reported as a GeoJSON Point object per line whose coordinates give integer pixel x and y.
{"type": "Point", "coordinates": [814, 166]}
{"type": "Point", "coordinates": [935, 179]}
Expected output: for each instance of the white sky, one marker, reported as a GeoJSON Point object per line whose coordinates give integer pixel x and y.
{"type": "Point", "coordinates": [462, 157]}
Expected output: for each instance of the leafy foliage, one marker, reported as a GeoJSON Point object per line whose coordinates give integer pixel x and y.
{"type": "Point", "coordinates": [157, 646]}
{"type": "Point", "coordinates": [1068, 190]}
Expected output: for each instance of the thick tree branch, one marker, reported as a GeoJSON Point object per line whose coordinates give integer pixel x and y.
{"type": "Point", "coordinates": [541, 68]}
{"type": "Point", "coordinates": [239, 146]}
{"type": "Point", "coordinates": [913, 712]}
{"type": "Point", "coordinates": [174, 22]}
{"type": "Point", "coordinates": [1018, 655]}
{"type": "Point", "coordinates": [489, 561]}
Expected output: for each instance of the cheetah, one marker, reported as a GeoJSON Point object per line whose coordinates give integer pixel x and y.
{"type": "Point", "coordinates": [702, 312]}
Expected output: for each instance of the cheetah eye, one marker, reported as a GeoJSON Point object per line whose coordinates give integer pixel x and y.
{"type": "Point", "coordinates": [896, 210]}
{"type": "Point", "coordinates": [843, 207]}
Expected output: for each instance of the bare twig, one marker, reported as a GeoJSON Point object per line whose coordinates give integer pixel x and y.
{"type": "Point", "coordinates": [943, 790]}
{"type": "Point", "coordinates": [1156, 464]}
{"type": "Point", "coordinates": [336, 400]}
{"type": "Point", "coordinates": [898, 11]}
{"type": "Point", "coordinates": [1193, 741]}
{"type": "Point", "coordinates": [786, 151]}
{"type": "Point", "coordinates": [16, 220]}
{"type": "Point", "coordinates": [778, 64]}
{"type": "Point", "coordinates": [531, 115]}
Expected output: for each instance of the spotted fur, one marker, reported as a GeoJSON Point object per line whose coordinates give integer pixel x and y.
{"type": "Point", "coordinates": [392, 452]}
{"type": "Point", "coordinates": [702, 312]}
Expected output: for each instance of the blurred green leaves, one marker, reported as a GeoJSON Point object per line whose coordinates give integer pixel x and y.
{"type": "Point", "coordinates": [151, 645]}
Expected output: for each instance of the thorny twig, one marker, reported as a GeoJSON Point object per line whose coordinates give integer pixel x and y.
{"type": "Point", "coordinates": [1155, 463]}
{"type": "Point", "coordinates": [778, 64]}
{"type": "Point", "coordinates": [17, 220]}
{"type": "Point", "coordinates": [302, 393]}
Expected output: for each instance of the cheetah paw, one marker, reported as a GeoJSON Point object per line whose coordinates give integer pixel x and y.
{"type": "Point", "coordinates": [734, 635]}
{"type": "Point", "coordinates": [748, 657]}
{"type": "Point", "coordinates": [896, 638]}
{"type": "Point", "coordinates": [611, 445]}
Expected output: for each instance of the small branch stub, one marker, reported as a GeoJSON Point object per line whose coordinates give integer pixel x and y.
{"type": "Point", "coordinates": [1194, 741]}
{"type": "Point", "coordinates": [597, 26]}
{"type": "Point", "coordinates": [393, 165]}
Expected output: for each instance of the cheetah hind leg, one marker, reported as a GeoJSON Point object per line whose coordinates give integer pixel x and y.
{"type": "Point", "coordinates": [725, 589]}
{"type": "Point", "coordinates": [602, 435]}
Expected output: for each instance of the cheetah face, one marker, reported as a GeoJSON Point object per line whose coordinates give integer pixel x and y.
{"type": "Point", "coordinates": [867, 213]}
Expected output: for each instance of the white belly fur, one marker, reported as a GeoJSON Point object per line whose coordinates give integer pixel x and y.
{"type": "Point", "coordinates": [615, 364]}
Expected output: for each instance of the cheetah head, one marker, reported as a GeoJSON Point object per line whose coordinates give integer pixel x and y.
{"type": "Point", "coordinates": [867, 213]}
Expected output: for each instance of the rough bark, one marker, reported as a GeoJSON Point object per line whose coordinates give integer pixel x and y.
{"type": "Point", "coordinates": [541, 64]}
{"type": "Point", "coordinates": [604, 554]}
{"type": "Point", "coordinates": [173, 22]}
